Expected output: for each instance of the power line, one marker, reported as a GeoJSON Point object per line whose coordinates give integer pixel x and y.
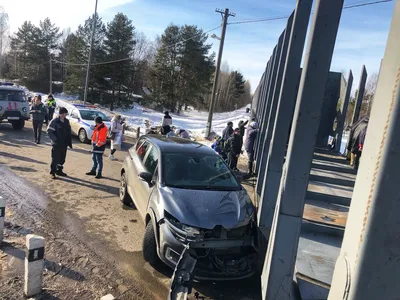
{"type": "Point", "coordinates": [208, 31]}
{"type": "Point", "coordinates": [286, 17]}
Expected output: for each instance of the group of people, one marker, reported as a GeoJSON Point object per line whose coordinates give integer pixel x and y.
{"type": "Point", "coordinates": [230, 144]}
{"type": "Point", "coordinates": [59, 132]}
{"type": "Point", "coordinates": [168, 130]}
{"type": "Point", "coordinates": [41, 114]}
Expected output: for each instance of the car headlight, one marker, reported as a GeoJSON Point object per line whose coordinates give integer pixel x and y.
{"type": "Point", "coordinates": [23, 109]}
{"type": "Point", "coordinates": [190, 230]}
{"type": "Point", "coordinates": [181, 231]}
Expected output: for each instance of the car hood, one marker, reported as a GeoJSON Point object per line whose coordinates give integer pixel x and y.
{"type": "Point", "coordinates": [207, 209]}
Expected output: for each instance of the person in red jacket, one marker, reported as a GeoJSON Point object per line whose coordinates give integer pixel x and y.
{"type": "Point", "coordinates": [99, 139]}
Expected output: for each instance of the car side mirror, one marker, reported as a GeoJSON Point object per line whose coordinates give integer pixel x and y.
{"type": "Point", "coordinates": [147, 177]}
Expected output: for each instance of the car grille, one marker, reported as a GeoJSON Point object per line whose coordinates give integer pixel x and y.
{"type": "Point", "coordinates": [220, 232]}
{"type": "Point", "coordinates": [12, 113]}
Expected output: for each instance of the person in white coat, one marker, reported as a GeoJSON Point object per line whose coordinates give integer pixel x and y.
{"type": "Point", "coordinates": [117, 129]}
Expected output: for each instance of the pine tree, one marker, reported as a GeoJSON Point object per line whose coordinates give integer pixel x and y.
{"type": "Point", "coordinates": [77, 47]}
{"type": "Point", "coordinates": [120, 45]}
{"type": "Point", "coordinates": [183, 68]}
{"type": "Point", "coordinates": [23, 46]}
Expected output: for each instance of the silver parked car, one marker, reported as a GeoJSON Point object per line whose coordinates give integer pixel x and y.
{"type": "Point", "coordinates": [186, 193]}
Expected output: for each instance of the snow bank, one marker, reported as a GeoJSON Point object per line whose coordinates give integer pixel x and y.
{"type": "Point", "coordinates": [193, 121]}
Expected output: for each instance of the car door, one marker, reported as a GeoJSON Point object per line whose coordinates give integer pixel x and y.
{"type": "Point", "coordinates": [150, 165]}
{"type": "Point", "coordinates": [74, 121]}
{"type": "Point", "coordinates": [135, 184]}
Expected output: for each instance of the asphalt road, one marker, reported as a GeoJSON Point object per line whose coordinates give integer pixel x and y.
{"type": "Point", "coordinates": [90, 209]}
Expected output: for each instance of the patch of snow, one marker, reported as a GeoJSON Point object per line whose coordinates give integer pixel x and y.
{"type": "Point", "coordinates": [191, 120]}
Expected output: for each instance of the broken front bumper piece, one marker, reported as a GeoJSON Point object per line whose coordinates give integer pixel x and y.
{"type": "Point", "coordinates": [182, 279]}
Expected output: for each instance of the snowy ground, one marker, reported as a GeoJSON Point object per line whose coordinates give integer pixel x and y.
{"type": "Point", "coordinates": [193, 121]}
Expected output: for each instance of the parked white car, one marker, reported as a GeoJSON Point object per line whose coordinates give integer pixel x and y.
{"type": "Point", "coordinates": [81, 118]}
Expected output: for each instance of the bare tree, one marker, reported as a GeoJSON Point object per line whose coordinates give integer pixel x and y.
{"type": "Point", "coordinates": [369, 94]}
{"type": "Point", "coordinates": [3, 36]}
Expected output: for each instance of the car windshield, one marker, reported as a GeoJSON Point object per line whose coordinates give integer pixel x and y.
{"type": "Point", "coordinates": [17, 96]}
{"type": "Point", "coordinates": [92, 114]}
{"type": "Point", "coordinates": [197, 171]}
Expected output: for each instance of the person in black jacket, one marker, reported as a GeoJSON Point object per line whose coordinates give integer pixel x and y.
{"type": "Point", "coordinates": [38, 112]}
{"type": "Point", "coordinates": [228, 131]}
{"type": "Point", "coordinates": [242, 126]}
{"type": "Point", "coordinates": [233, 148]}
{"type": "Point", "coordinates": [59, 132]}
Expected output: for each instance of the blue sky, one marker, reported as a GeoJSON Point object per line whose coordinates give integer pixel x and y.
{"type": "Point", "coordinates": [361, 38]}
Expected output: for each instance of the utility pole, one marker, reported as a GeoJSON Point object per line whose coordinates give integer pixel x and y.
{"type": "Point", "coordinates": [225, 15]}
{"type": "Point", "coordinates": [51, 75]}
{"type": "Point", "coordinates": [90, 54]}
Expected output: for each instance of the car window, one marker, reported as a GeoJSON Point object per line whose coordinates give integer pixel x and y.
{"type": "Point", "coordinates": [17, 96]}
{"type": "Point", "coordinates": [90, 115]}
{"type": "Point", "coordinates": [138, 144]}
{"type": "Point", "coordinates": [151, 160]}
{"type": "Point", "coordinates": [212, 173]}
{"type": "Point", "coordinates": [142, 150]}
{"type": "Point", "coordinates": [74, 114]}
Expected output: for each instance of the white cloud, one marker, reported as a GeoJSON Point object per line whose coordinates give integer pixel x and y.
{"type": "Point", "coordinates": [64, 14]}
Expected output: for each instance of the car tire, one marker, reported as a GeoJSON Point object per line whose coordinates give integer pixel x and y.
{"type": "Point", "coordinates": [18, 125]}
{"type": "Point", "coordinates": [149, 246]}
{"type": "Point", "coordinates": [123, 191]}
{"type": "Point", "coordinates": [82, 136]}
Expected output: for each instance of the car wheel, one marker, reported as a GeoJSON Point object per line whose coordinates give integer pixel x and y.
{"type": "Point", "coordinates": [123, 191]}
{"type": "Point", "coordinates": [18, 125]}
{"type": "Point", "coordinates": [149, 247]}
{"type": "Point", "coordinates": [82, 135]}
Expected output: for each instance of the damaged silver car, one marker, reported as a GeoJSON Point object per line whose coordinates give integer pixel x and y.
{"type": "Point", "coordinates": [187, 194]}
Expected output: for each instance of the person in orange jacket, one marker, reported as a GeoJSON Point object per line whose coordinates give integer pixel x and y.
{"type": "Point", "coordinates": [99, 139]}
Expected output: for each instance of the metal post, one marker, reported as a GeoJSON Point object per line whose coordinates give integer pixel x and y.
{"type": "Point", "coordinates": [274, 103]}
{"type": "Point", "coordinates": [215, 85]}
{"type": "Point", "coordinates": [343, 111]}
{"type": "Point", "coordinates": [279, 264]}
{"type": "Point", "coordinates": [268, 96]}
{"type": "Point", "coordinates": [51, 76]}
{"type": "Point", "coordinates": [264, 88]}
{"type": "Point", "coordinates": [284, 113]}
{"type": "Point", "coordinates": [90, 54]}
{"type": "Point", "coordinates": [368, 266]}
{"type": "Point", "coordinates": [360, 95]}
{"type": "Point", "coordinates": [263, 99]}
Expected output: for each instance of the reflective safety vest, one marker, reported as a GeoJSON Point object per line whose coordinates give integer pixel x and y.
{"type": "Point", "coordinates": [99, 137]}
{"type": "Point", "coordinates": [51, 103]}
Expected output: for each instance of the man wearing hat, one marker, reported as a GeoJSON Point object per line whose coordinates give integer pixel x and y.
{"type": "Point", "coordinates": [99, 140]}
{"type": "Point", "coordinates": [59, 131]}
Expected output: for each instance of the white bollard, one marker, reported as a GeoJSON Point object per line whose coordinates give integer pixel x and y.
{"type": "Point", "coordinates": [34, 263]}
{"type": "Point", "coordinates": [2, 216]}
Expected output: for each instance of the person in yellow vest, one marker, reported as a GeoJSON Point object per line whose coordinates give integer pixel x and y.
{"type": "Point", "coordinates": [51, 106]}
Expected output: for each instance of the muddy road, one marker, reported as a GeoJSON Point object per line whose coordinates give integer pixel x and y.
{"type": "Point", "coordinates": [89, 216]}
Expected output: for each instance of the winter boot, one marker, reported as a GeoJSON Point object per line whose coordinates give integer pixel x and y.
{"type": "Point", "coordinates": [61, 173]}
{"type": "Point", "coordinates": [91, 173]}
{"type": "Point", "coordinates": [98, 176]}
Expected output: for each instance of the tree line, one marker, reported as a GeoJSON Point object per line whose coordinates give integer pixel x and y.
{"type": "Point", "coordinates": [177, 69]}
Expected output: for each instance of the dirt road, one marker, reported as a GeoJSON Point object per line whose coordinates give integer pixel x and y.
{"type": "Point", "coordinates": [86, 214]}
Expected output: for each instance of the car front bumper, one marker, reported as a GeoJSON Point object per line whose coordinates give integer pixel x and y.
{"type": "Point", "coordinates": [238, 257]}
